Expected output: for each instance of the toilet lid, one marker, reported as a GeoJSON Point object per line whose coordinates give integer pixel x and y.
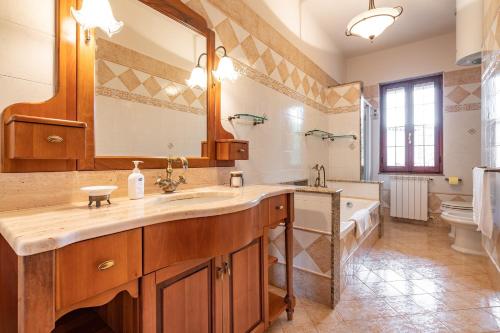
{"type": "Point", "coordinates": [462, 205]}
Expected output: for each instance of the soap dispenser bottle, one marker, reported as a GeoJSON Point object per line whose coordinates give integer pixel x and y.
{"type": "Point", "coordinates": [136, 183]}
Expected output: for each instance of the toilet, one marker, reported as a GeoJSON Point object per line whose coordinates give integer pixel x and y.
{"type": "Point", "coordinates": [463, 229]}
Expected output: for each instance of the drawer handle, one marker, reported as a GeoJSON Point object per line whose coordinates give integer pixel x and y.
{"type": "Point", "coordinates": [106, 265]}
{"type": "Point", "coordinates": [55, 139]}
{"type": "Point", "coordinates": [280, 207]}
{"type": "Point", "coordinates": [241, 150]}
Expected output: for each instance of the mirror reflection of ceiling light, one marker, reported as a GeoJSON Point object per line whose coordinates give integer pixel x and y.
{"type": "Point", "coordinates": [97, 14]}
{"type": "Point", "coordinates": [198, 76]}
{"type": "Point", "coordinates": [225, 70]}
{"type": "Point", "coordinates": [373, 22]}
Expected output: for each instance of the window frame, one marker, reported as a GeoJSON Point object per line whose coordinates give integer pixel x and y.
{"type": "Point", "coordinates": [409, 126]}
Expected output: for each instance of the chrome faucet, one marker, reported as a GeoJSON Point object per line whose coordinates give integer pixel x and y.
{"type": "Point", "coordinates": [317, 181]}
{"type": "Point", "coordinates": [322, 167]}
{"type": "Point", "coordinates": [168, 185]}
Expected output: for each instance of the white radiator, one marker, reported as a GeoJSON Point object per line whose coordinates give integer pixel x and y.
{"type": "Point", "coordinates": [409, 197]}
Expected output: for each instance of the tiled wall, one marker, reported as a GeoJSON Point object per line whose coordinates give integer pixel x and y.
{"type": "Point", "coordinates": [345, 158]}
{"type": "Point", "coordinates": [277, 80]}
{"type": "Point", "coordinates": [27, 56]}
{"type": "Point", "coordinates": [461, 141]}
{"type": "Point", "coordinates": [491, 116]}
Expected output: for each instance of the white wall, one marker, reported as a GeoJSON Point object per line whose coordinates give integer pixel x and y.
{"type": "Point", "coordinates": [27, 34]}
{"type": "Point", "coordinates": [424, 57]}
{"type": "Point", "coordinates": [300, 27]}
{"type": "Point", "coordinates": [434, 55]}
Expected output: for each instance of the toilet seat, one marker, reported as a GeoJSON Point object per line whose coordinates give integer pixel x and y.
{"type": "Point", "coordinates": [456, 205]}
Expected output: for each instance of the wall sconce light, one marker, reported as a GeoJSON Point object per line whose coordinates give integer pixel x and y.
{"type": "Point", "coordinates": [96, 14]}
{"type": "Point", "coordinates": [198, 76]}
{"type": "Point", "coordinates": [225, 70]}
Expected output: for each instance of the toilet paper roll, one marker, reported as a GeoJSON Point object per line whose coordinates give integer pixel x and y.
{"type": "Point", "coordinates": [453, 180]}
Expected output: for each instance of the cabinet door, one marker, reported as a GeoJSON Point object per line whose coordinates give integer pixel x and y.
{"type": "Point", "coordinates": [179, 299]}
{"type": "Point", "coordinates": [247, 288]}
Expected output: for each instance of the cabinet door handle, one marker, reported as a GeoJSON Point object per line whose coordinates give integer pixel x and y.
{"type": "Point", "coordinates": [280, 207]}
{"type": "Point", "coordinates": [241, 150]}
{"type": "Point", "coordinates": [220, 272]}
{"type": "Point", "coordinates": [227, 268]}
{"type": "Point", "coordinates": [55, 139]}
{"type": "Point", "coordinates": [106, 265]}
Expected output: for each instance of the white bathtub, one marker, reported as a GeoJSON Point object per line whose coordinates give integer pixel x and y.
{"type": "Point", "coordinates": [348, 206]}
{"type": "Point", "coordinates": [313, 212]}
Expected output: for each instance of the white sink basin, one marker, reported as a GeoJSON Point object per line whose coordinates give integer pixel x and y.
{"type": "Point", "coordinates": [193, 198]}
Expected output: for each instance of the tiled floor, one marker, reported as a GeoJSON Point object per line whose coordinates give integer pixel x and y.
{"type": "Point", "coordinates": [411, 281]}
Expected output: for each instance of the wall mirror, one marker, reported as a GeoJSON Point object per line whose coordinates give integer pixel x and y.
{"type": "Point", "coordinates": [144, 103]}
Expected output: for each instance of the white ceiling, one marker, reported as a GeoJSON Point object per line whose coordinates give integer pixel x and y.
{"type": "Point", "coordinates": [420, 19]}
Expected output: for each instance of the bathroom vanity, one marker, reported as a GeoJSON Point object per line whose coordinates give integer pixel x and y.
{"type": "Point", "coordinates": [194, 261]}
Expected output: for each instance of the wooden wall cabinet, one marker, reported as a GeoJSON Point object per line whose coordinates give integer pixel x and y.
{"type": "Point", "coordinates": [44, 138]}
{"type": "Point", "coordinates": [232, 150]}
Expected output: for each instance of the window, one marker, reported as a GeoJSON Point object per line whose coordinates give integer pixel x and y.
{"type": "Point", "coordinates": [411, 126]}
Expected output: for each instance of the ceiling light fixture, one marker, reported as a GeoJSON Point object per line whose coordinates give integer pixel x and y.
{"type": "Point", "coordinates": [373, 22]}
{"type": "Point", "coordinates": [225, 69]}
{"type": "Point", "coordinates": [97, 14]}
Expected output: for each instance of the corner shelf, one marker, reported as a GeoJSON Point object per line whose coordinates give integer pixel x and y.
{"type": "Point", "coordinates": [257, 120]}
{"type": "Point", "coordinates": [329, 136]}
{"type": "Point", "coordinates": [277, 306]}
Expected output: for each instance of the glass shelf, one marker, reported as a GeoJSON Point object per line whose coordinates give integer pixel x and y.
{"type": "Point", "coordinates": [329, 136]}
{"type": "Point", "coordinates": [257, 120]}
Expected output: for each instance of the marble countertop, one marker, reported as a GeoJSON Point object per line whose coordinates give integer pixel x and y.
{"type": "Point", "coordinates": [32, 231]}
{"type": "Point", "coordinates": [313, 189]}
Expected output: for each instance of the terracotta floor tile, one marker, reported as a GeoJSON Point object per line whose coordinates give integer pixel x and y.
{"type": "Point", "coordinates": [411, 281]}
{"type": "Point", "coordinates": [407, 287]}
{"type": "Point", "coordinates": [388, 275]}
{"type": "Point", "coordinates": [369, 276]}
{"type": "Point", "coordinates": [429, 303]}
{"type": "Point", "coordinates": [383, 289]}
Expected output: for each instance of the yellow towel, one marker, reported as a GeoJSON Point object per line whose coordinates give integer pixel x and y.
{"type": "Point", "coordinates": [453, 180]}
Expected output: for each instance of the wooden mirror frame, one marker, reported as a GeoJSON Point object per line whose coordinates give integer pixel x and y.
{"type": "Point", "coordinates": [178, 11]}
{"type": "Point", "coordinates": [73, 101]}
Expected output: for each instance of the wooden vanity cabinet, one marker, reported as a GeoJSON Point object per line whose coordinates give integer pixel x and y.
{"type": "Point", "coordinates": [224, 292]}
{"type": "Point", "coordinates": [207, 274]}
{"type": "Point", "coordinates": [221, 294]}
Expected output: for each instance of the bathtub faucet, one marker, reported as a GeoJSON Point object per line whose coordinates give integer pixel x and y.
{"type": "Point", "coordinates": [322, 167]}
{"type": "Point", "coordinates": [317, 181]}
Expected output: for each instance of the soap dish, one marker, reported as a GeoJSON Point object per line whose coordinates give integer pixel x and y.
{"type": "Point", "coordinates": [99, 193]}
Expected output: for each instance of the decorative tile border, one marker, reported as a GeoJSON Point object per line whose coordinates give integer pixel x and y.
{"type": "Point", "coordinates": [247, 19]}
{"type": "Point", "coordinates": [126, 57]}
{"type": "Point", "coordinates": [126, 74]}
{"type": "Point", "coordinates": [462, 76]}
{"type": "Point", "coordinates": [263, 55]}
{"type": "Point", "coordinates": [462, 90]}
{"type": "Point", "coordinates": [136, 98]}
{"type": "Point", "coordinates": [345, 109]}
{"type": "Point", "coordinates": [257, 76]}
